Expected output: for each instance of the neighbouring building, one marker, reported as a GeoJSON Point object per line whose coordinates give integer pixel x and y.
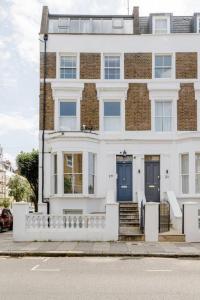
{"type": "Point", "coordinates": [6, 171]}
{"type": "Point", "coordinates": [120, 111]}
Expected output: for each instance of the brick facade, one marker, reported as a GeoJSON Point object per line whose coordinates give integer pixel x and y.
{"type": "Point", "coordinates": [138, 65]}
{"type": "Point", "coordinates": [187, 108]}
{"type": "Point", "coordinates": [138, 107]}
{"type": "Point", "coordinates": [51, 65]}
{"type": "Point", "coordinates": [49, 108]}
{"type": "Point", "coordinates": [90, 65]}
{"type": "Point", "coordinates": [186, 65]}
{"type": "Point", "coordinates": [90, 107]}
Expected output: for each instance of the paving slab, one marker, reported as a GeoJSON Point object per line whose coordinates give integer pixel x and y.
{"type": "Point", "coordinates": [125, 249]}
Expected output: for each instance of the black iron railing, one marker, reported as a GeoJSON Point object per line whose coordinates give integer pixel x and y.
{"type": "Point", "coordinates": [142, 217]}
{"type": "Point", "coordinates": [164, 217]}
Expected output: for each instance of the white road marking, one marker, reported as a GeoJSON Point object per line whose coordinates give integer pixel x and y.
{"type": "Point", "coordinates": [47, 270]}
{"type": "Point", "coordinates": [35, 268]}
{"type": "Point", "coordinates": [46, 259]}
{"type": "Point", "coordinates": [158, 270]}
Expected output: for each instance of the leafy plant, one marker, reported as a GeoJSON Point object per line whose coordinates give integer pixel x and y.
{"type": "Point", "coordinates": [19, 188]}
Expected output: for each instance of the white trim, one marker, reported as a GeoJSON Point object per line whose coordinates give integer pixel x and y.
{"type": "Point", "coordinates": [58, 56]}
{"type": "Point", "coordinates": [198, 24]}
{"type": "Point", "coordinates": [173, 66]}
{"type": "Point", "coordinates": [154, 18]}
{"type": "Point", "coordinates": [197, 97]}
{"type": "Point", "coordinates": [121, 55]}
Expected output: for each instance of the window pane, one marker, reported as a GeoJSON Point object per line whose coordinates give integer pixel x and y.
{"type": "Point", "coordinates": [96, 26]}
{"type": "Point", "coordinates": [67, 108]}
{"type": "Point", "coordinates": [91, 162]}
{"type": "Point", "coordinates": [167, 124]}
{"type": "Point", "coordinates": [91, 184]}
{"type": "Point", "coordinates": [197, 162]}
{"type": "Point", "coordinates": [74, 25]}
{"type": "Point", "coordinates": [159, 61]}
{"type": "Point", "coordinates": [184, 164]}
{"type": "Point", "coordinates": [111, 108]}
{"type": "Point", "coordinates": [68, 163]}
{"type": "Point", "coordinates": [185, 184]}
{"type": "Point", "coordinates": [68, 62]}
{"type": "Point", "coordinates": [77, 184]}
{"type": "Point", "coordinates": [158, 124]}
{"type": "Point", "coordinates": [68, 73]}
{"type": "Point", "coordinates": [167, 109]}
{"type": "Point", "coordinates": [55, 184]}
{"type": "Point", "coordinates": [167, 60]}
{"type": "Point", "coordinates": [55, 163]}
{"type": "Point", "coordinates": [161, 24]}
{"type": "Point", "coordinates": [159, 109]}
{"type": "Point", "coordinates": [197, 184]}
{"type": "Point", "coordinates": [85, 26]}
{"type": "Point", "coordinates": [68, 123]}
{"type": "Point", "coordinates": [112, 123]}
{"type": "Point", "coordinates": [68, 184]}
{"type": "Point", "coordinates": [77, 163]}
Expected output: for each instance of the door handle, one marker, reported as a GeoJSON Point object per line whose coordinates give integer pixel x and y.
{"type": "Point", "coordinates": [124, 186]}
{"type": "Point", "coordinates": [151, 186]}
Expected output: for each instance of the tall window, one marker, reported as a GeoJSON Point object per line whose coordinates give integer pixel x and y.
{"type": "Point", "coordinates": [185, 173]}
{"type": "Point", "coordinates": [112, 116]}
{"type": "Point", "coordinates": [197, 173]}
{"type": "Point", "coordinates": [163, 116]}
{"type": "Point", "coordinates": [161, 26]}
{"type": "Point", "coordinates": [91, 173]}
{"type": "Point", "coordinates": [73, 182]}
{"type": "Point", "coordinates": [163, 66]}
{"type": "Point", "coordinates": [111, 67]}
{"type": "Point", "coordinates": [55, 174]}
{"type": "Point", "coordinates": [68, 117]}
{"type": "Point", "coordinates": [68, 67]}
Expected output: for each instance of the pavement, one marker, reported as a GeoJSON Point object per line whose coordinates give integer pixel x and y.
{"type": "Point", "coordinates": [52, 249]}
{"type": "Point", "coordinates": [99, 278]}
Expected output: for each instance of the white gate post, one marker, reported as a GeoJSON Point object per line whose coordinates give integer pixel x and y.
{"type": "Point", "coordinates": [191, 221]}
{"type": "Point", "coordinates": [20, 210]}
{"type": "Point", "coordinates": [151, 221]}
{"type": "Point", "coordinates": [112, 222]}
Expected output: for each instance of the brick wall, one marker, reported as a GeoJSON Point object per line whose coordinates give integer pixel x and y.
{"type": "Point", "coordinates": [138, 107]}
{"type": "Point", "coordinates": [186, 65]}
{"type": "Point", "coordinates": [187, 108]}
{"type": "Point", "coordinates": [49, 121]}
{"type": "Point", "coordinates": [90, 66]}
{"type": "Point", "coordinates": [51, 65]}
{"type": "Point", "coordinates": [138, 65]}
{"type": "Point", "coordinates": [90, 107]}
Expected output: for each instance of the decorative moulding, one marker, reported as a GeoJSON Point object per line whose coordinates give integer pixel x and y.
{"type": "Point", "coordinates": [112, 90]}
{"type": "Point", "coordinates": [164, 90]}
{"type": "Point", "coordinates": [67, 90]}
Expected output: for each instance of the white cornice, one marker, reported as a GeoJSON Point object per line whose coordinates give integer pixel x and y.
{"type": "Point", "coordinates": [163, 90]}
{"type": "Point", "coordinates": [112, 90]}
{"type": "Point", "coordinates": [67, 90]}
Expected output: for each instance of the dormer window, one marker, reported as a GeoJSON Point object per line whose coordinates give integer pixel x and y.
{"type": "Point", "coordinates": [161, 25]}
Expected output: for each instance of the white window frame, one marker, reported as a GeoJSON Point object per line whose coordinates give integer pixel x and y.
{"type": "Point", "coordinates": [155, 18]}
{"type": "Point", "coordinates": [63, 174]}
{"type": "Point", "coordinates": [198, 24]}
{"type": "Point", "coordinates": [163, 101]}
{"type": "Point", "coordinates": [196, 173]}
{"type": "Point", "coordinates": [172, 66]}
{"type": "Point", "coordinates": [94, 174]}
{"type": "Point", "coordinates": [173, 117]}
{"type": "Point", "coordinates": [181, 174]}
{"type": "Point", "coordinates": [122, 115]}
{"type": "Point", "coordinates": [54, 174]}
{"type": "Point", "coordinates": [121, 56]}
{"type": "Point", "coordinates": [77, 113]}
{"type": "Point", "coordinates": [77, 56]}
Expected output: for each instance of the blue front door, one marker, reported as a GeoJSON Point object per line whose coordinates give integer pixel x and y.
{"type": "Point", "coordinates": [124, 181]}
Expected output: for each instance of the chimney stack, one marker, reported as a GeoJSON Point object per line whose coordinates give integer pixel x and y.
{"type": "Point", "coordinates": [136, 20]}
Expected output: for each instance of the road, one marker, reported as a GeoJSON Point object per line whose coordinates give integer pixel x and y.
{"type": "Point", "coordinates": [99, 278]}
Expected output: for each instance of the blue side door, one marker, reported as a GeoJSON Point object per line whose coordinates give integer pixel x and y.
{"type": "Point", "coordinates": [124, 181]}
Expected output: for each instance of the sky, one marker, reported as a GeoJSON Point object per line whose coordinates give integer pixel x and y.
{"type": "Point", "coordinates": [19, 58]}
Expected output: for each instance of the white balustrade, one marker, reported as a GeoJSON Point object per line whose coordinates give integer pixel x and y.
{"type": "Point", "coordinates": [41, 221]}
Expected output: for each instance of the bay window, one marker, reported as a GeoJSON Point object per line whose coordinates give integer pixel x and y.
{"type": "Point", "coordinates": [73, 176]}
{"type": "Point", "coordinates": [163, 66]}
{"type": "Point", "coordinates": [163, 116]}
{"type": "Point", "coordinates": [111, 67]}
{"type": "Point", "coordinates": [185, 173]}
{"type": "Point", "coordinates": [112, 116]}
{"type": "Point", "coordinates": [55, 174]}
{"type": "Point", "coordinates": [91, 173]}
{"type": "Point", "coordinates": [68, 116]}
{"type": "Point", "coordinates": [68, 67]}
{"type": "Point", "coordinates": [197, 173]}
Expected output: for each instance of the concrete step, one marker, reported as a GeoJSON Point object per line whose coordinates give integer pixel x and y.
{"type": "Point", "coordinates": [129, 225]}
{"type": "Point", "coordinates": [179, 238]}
{"type": "Point", "coordinates": [129, 217]}
{"type": "Point", "coordinates": [135, 237]}
{"type": "Point", "coordinates": [128, 205]}
{"type": "Point", "coordinates": [125, 210]}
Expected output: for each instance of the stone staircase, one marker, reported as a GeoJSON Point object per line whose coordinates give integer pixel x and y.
{"type": "Point", "coordinates": [129, 225]}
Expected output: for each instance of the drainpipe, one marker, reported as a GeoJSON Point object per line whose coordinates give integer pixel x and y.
{"type": "Point", "coordinates": [44, 119]}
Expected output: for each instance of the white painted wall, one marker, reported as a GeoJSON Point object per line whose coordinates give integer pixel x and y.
{"type": "Point", "coordinates": [191, 222]}
{"type": "Point", "coordinates": [151, 222]}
